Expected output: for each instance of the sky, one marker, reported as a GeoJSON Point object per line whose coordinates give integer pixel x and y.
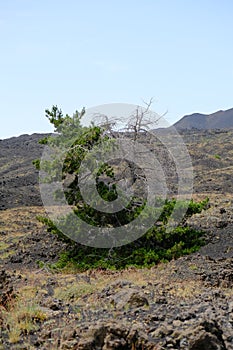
{"type": "Point", "coordinates": [74, 53]}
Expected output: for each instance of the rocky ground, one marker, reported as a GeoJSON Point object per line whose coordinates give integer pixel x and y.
{"type": "Point", "coordinates": [184, 304]}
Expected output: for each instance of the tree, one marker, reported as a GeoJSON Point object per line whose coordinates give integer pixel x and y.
{"type": "Point", "coordinates": [71, 145]}
{"type": "Point", "coordinates": [141, 120]}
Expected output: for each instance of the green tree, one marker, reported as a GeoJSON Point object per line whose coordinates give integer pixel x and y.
{"type": "Point", "coordinates": [76, 141]}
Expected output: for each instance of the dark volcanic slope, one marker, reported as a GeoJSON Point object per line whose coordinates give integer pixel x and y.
{"type": "Point", "coordinates": [212, 158]}
{"type": "Point", "coordinates": [217, 120]}
{"type": "Point", "coordinates": [18, 177]}
{"type": "Point", "coordinates": [211, 152]}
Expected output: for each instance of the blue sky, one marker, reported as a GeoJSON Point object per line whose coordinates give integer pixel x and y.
{"type": "Point", "coordinates": [87, 53]}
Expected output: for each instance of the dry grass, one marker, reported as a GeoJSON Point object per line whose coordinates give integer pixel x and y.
{"type": "Point", "coordinates": [23, 313]}
{"type": "Point", "coordinates": [74, 291]}
{"type": "Point", "coordinates": [22, 318]}
{"type": "Point", "coordinates": [185, 289]}
{"type": "Point", "coordinates": [3, 246]}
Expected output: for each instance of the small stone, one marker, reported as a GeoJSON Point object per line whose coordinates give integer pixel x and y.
{"type": "Point", "coordinates": [162, 331]}
{"type": "Point", "coordinates": [129, 298]}
{"type": "Point", "coordinates": [177, 323]}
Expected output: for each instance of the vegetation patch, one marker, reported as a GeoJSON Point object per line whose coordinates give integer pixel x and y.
{"type": "Point", "coordinates": [153, 247]}
{"type": "Point", "coordinates": [23, 318]}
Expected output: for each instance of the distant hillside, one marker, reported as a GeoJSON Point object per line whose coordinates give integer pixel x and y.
{"type": "Point", "coordinates": [210, 151]}
{"type": "Point", "coordinates": [217, 120]}
{"type": "Point", "coordinates": [18, 177]}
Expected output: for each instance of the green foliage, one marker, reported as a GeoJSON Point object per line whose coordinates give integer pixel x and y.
{"type": "Point", "coordinates": [51, 227]}
{"type": "Point", "coordinates": [140, 253]}
{"type": "Point", "coordinates": [197, 207]}
{"type": "Point", "coordinates": [217, 156]}
{"type": "Point", "coordinates": [157, 244]}
{"type": "Point", "coordinates": [36, 163]}
{"type": "Point", "coordinates": [55, 117]}
{"type": "Point", "coordinates": [44, 141]}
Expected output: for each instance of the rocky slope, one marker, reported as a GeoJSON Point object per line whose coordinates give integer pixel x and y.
{"type": "Point", "coordinates": [211, 152]}
{"type": "Point", "coordinates": [18, 177]}
{"type": "Point", "coordinates": [184, 304]}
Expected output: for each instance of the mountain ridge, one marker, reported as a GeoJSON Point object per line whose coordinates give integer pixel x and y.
{"type": "Point", "coordinates": [222, 119]}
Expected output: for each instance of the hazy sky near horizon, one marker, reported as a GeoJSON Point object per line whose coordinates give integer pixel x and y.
{"type": "Point", "coordinates": [77, 53]}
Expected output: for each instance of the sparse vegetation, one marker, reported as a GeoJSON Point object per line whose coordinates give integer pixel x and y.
{"type": "Point", "coordinates": [22, 317]}
{"type": "Point", "coordinates": [74, 291]}
{"type": "Point", "coordinates": [217, 156]}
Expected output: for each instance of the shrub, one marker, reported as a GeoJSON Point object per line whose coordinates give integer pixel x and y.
{"type": "Point", "coordinates": [157, 244]}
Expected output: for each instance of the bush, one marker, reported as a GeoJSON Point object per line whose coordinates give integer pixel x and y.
{"type": "Point", "coordinates": [154, 246]}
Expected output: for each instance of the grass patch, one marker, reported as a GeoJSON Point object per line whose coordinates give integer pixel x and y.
{"type": "Point", "coordinates": [184, 290]}
{"type": "Point", "coordinates": [74, 291]}
{"type": "Point", "coordinates": [6, 254]}
{"type": "Point", "coordinates": [22, 318]}
{"type": "Point", "coordinates": [3, 246]}
{"type": "Point", "coordinates": [217, 156]}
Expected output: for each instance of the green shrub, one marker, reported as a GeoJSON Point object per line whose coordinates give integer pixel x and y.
{"type": "Point", "coordinates": [157, 244]}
